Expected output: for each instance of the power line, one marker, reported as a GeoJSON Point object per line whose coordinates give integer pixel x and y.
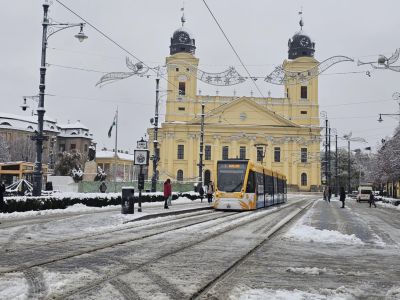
{"type": "Point", "coordinates": [230, 44]}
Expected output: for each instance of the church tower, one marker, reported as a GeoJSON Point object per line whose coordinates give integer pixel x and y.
{"type": "Point", "coordinates": [302, 94]}
{"type": "Point", "coordinates": [182, 76]}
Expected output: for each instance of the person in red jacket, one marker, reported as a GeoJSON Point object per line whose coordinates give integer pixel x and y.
{"type": "Point", "coordinates": [167, 192]}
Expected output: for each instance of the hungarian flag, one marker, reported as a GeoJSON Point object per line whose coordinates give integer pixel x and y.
{"type": "Point", "coordinates": [112, 125]}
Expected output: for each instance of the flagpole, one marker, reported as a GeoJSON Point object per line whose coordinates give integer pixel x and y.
{"type": "Point", "coordinates": [115, 151]}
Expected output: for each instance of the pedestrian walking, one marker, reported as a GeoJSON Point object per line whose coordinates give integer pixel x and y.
{"type": "Point", "coordinates": [329, 193]}
{"type": "Point", "coordinates": [2, 191]}
{"type": "Point", "coordinates": [324, 193]}
{"type": "Point", "coordinates": [342, 196]}
{"type": "Point", "coordinates": [210, 191]}
{"type": "Point", "coordinates": [167, 192]}
{"type": "Point", "coordinates": [371, 200]}
{"type": "Point", "coordinates": [103, 187]}
{"type": "Point", "coordinates": [200, 190]}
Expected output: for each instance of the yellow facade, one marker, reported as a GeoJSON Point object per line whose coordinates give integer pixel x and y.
{"type": "Point", "coordinates": [289, 123]}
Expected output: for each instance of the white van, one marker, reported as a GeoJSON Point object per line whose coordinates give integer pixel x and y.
{"type": "Point", "coordinates": [364, 193]}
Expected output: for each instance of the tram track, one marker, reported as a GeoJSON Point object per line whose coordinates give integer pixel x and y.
{"type": "Point", "coordinates": [273, 232]}
{"type": "Point", "coordinates": [108, 277]}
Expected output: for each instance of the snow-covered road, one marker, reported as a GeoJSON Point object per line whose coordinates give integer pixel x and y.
{"type": "Point", "coordinates": [329, 253]}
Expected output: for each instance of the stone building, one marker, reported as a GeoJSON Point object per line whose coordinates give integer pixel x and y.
{"type": "Point", "coordinates": [240, 127]}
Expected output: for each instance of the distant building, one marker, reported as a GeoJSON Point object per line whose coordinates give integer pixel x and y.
{"type": "Point", "coordinates": [17, 131]}
{"type": "Point", "coordinates": [106, 160]}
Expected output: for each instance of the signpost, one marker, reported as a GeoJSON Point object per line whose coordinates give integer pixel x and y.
{"type": "Point", "coordinates": [141, 156]}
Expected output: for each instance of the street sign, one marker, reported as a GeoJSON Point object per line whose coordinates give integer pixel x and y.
{"type": "Point", "coordinates": [141, 157]}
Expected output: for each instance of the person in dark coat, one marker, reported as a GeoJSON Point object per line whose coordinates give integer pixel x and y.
{"type": "Point", "coordinates": [200, 190]}
{"type": "Point", "coordinates": [342, 196]}
{"type": "Point", "coordinates": [103, 187]}
{"type": "Point", "coordinates": [371, 199]}
{"type": "Point", "coordinates": [329, 194]}
{"type": "Point", "coordinates": [167, 192]}
{"type": "Point", "coordinates": [2, 191]}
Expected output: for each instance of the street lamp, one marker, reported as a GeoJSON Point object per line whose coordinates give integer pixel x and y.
{"type": "Point", "coordinates": [39, 137]}
{"type": "Point", "coordinates": [396, 97]}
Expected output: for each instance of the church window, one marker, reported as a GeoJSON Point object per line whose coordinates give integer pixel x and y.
{"type": "Point", "coordinates": [303, 94]}
{"type": "Point", "coordinates": [207, 153]}
{"type": "Point", "coordinates": [225, 152]}
{"type": "Point", "coordinates": [187, 69]}
{"type": "Point", "coordinates": [179, 175]}
{"type": "Point", "coordinates": [303, 179]}
{"type": "Point", "coordinates": [181, 108]}
{"type": "Point", "coordinates": [182, 88]}
{"type": "Point", "coordinates": [277, 154]}
{"type": "Point", "coordinates": [177, 69]}
{"type": "Point", "coordinates": [303, 155]}
{"type": "Point", "coordinates": [181, 151]}
{"type": "Point", "coordinates": [303, 112]}
{"type": "Point", "coordinates": [242, 152]}
{"type": "Point", "coordinates": [260, 153]}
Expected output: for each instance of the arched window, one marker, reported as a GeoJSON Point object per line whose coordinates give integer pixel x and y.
{"type": "Point", "coordinates": [303, 179]}
{"type": "Point", "coordinates": [207, 177]}
{"type": "Point", "coordinates": [73, 133]}
{"type": "Point", "coordinates": [179, 175]}
{"type": "Point", "coordinates": [29, 127]}
{"type": "Point", "coordinates": [5, 124]}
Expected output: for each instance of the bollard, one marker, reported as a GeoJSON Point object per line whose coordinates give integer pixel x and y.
{"type": "Point", "coordinates": [127, 203]}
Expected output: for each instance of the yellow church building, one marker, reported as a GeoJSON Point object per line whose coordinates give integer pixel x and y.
{"type": "Point", "coordinates": [284, 130]}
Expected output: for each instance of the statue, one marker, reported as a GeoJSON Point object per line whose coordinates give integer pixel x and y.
{"type": "Point", "coordinates": [77, 174]}
{"type": "Point", "coordinates": [92, 153]}
{"type": "Point", "coordinates": [101, 175]}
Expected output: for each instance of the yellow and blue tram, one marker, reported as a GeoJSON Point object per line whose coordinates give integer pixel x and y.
{"type": "Point", "coordinates": [242, 184]}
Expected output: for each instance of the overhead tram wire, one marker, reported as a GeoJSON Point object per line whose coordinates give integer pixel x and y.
{"type": "Point", "coordinates": [230, 44]}
{"type": "Point", "coordinates": [114, 42]}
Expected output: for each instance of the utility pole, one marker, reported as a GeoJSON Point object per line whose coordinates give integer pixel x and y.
{"type": "Point", "coordinates": [329, 158]}
{"type": "Point", "coordinates": [326, 152]}
{"type": "Point", "coordinates": [201, 145]}
{"type": "Point", "coordinates": [336, 167]}
{"type": "Point", "coordinates": [348, 168]}
{"type": "Point", "coordinates": [155, 140]}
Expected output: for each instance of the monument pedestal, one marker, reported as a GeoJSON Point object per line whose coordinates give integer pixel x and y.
{"type": "Point", "coordinates": [90, 171]}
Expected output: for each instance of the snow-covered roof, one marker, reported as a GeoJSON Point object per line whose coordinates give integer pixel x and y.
{"type": "Point", "coordinates": [26, 123]}
{"type": "Point", "coordinates": [110, 154]}
{"type": "Point", "coordinates": [76, 125]}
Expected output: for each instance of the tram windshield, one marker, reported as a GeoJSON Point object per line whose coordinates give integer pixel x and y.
{"type": "Point", "coordinates": [231, 176]}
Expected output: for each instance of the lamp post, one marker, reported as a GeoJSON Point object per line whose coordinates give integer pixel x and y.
{"type": "Point", "coordinates": [261, 153]}
{"type": "Point", "coordinates": [324, 115]}
{"type": "Point", "coordinates": [155, 139]}
{"type": "Point", "coordinates": [334, 131]}
{"type": "Point", "coordinates": [39, 137]}
{"type": "Point", "coordinates": [201, 145]}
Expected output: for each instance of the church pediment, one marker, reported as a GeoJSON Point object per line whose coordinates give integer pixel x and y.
{"type": "Point", "coordinates": [246, 112]}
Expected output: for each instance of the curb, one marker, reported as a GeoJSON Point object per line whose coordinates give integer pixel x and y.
{"type": "Point", "coordinates": [171, 213]}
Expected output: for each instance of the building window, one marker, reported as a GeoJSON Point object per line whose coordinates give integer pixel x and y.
{"type": "Point", "coordinates": [177, 69]}
{"type": "Point", "coordinates": [303, 179]}
{"type": "Point", "coordinates": [303, 155]}
{"type": "Point", "coordinates": [277, 154]}
{"type": "Point", "coordinates": [182, 88]}
{"type": "Point", "coordinates": [287, 93]}
{"type": "Point", "coordinates": [207, 152]}
{"type": "Point", "coordinates": [181, 151]}
{"type": "Point", "coordinates": [181, 108]}
{"type": "Point", "coordinates": [303, 112]}
{"type": "Point", "coordinates": [225, 152]}
{"type": "Point", "coordinates": [242, 152]}
{"type": "Point", "coordinates": [207, 177]}
{"type": "Point", "coordinates": [86, 148]}
{"type": "Point", "coordinates": [72, 147]}
{"type": "Point", "coordinates": [179, 175]}
{"type": "Point", "coordinates": [303, 94]}
{"type": "Point", "coordinates": [61, 148]}
{"type": "Point", "coordinates": [260, 153]}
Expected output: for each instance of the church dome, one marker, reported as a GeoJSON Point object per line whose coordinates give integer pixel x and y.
{"type": "Point", "coordinates": [301, 45]}
{"type": "Point", "coordinates": [182, 41]}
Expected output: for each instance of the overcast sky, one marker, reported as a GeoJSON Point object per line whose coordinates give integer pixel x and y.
{"type": "Point", "coordinates": [259, 30]}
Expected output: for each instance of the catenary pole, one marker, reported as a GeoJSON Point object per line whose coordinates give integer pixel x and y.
{"type": "Point", "coordinates": [116, 151]}
{"type": "Point", "coordinates": [326, 152]}
{"type": "Point", "coordinates": [201, 145]}
{"type": "Point", "coordinates": [336, 167]}
{"type": "Point", "coordinates": [155, 140]}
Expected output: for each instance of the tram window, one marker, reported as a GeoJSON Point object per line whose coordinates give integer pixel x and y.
{"type": "Point", "coordinates": [269, 184]}
{"type": "Point", "coordinates": [230, 176]}
{"type": "Point", "coordinates": [251, 184]}
{"type": "Point", "coordinates": [260, 183]}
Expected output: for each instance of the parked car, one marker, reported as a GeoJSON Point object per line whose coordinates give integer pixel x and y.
{"type": "Point", "coordinates": [378, 195]}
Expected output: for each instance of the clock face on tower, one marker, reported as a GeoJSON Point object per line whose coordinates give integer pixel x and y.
{"type": "Point", "coordinates": [304, 42]}
{"type": "Point", "coordinates": [182, 37]}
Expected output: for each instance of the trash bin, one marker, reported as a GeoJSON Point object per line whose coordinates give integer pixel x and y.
{"type": "Point", "coordinates": [49, 186]}
{"type": "Point", "coordinates": [127, 203]}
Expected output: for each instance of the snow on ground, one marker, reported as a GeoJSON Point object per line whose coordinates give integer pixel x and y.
{"type": "Point", "coordinates": [13, 286]}
{"type": "Point", "coordinates": [307, 270]}
{"type": "Point", "coordinates": [77, 208]}
{"type": "Point", "coordinates": [387, 205]}
{"type": "Point", "coordinates": [310, 234]}
{"type": "Point", "coordinates": [341, 293]}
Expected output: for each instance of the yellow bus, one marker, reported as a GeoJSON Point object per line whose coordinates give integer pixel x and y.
{"type": "Point", "coordinates": [242, 184]}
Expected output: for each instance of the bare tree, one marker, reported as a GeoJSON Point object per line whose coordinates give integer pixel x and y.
{"type": "Point", "coordinates": [4, 150]}
{"type": "Point", "coordinates": [22, 148]}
